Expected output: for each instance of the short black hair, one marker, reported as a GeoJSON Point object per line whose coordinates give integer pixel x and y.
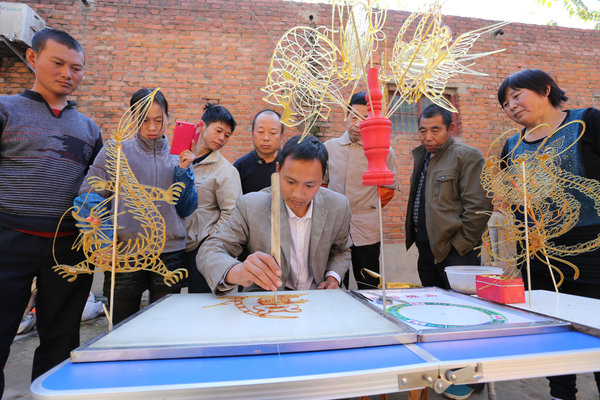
{"type": "Point", "coordinates": [38, 43]}
{"type": "Point", "coordinates": [266, 110]}
{"type": "Point", "coordinates": [358, 98]}
{"type": "Point", "coordinates": [310, 148]}
{"type": "Point", "coordinates": [216, 113]}
{"type": "Point", "coordinates": [535, 80]}
{"type": "Point", "coordinates": [158, 98]}
{"type": "Point", "coordinates": [433, 109]}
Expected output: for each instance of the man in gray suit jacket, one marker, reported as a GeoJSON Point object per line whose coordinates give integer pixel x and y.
{"type": "Point", "coordinates": [315, 224]}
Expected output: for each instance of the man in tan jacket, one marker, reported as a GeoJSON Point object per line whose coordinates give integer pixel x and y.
{"type": "Point", "coordinates": [347, 163]}
{"type": "Point", "coordinates": [218, 183]}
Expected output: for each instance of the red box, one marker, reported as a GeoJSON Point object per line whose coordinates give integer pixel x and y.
{"type": "Point", "coordinates": [500, 288]}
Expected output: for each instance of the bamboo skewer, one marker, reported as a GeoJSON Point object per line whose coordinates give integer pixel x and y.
{"type": "Point", "coordinates": [276, 222]}
{"type": "Point", "coordinates": [526, 232]}
{"type": "Point", "coordinates": [114, 244]}
{"type": "Point", "coordinates": [381, 257]}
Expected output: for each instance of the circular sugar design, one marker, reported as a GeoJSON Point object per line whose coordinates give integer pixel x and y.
{"type": "Point", "coordinates": [445, 315]}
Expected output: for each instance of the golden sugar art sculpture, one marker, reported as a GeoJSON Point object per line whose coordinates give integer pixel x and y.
{"type": "Point", "coordinates": [534, 186]}
{"type": "Point", "coordinates": [266, 306]}
{"type": "Point", "coordinates": [423, 63]}
{"type": "Point", "coordinates": [106, 253]}
{"type": "Point", "coordinates": [311, 68]}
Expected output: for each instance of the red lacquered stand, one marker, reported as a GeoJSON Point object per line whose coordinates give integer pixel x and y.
{"type": "Point", "coordinates": [375, 132]}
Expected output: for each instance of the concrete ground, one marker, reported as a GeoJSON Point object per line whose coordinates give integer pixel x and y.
{"type": "Point", "coordinates": [18, 368]}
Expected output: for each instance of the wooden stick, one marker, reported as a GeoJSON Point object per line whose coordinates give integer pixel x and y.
{"type": "Point", "coordinates": [276, 222]}
{"type": "Point", "coordinates": [381, 257]}
{"type": "Point", "coordinates": [363, 64]}
{"type": "Point", "coordinates": [526, 232]}
{"type": "Point", "coordinates": [114, 243]}
{"type": "Point", "coordinates": [551, 272]}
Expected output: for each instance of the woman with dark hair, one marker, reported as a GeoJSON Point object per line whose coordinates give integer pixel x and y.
{"type": "Point", "coordinates": [532, 99]}
{"type": "Point", "coordinates": [148, 155]}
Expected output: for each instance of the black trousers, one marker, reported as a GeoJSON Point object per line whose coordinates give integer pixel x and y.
{"type": "Point", "coordinates": [364, 257]}
{"type": "Point", "coordinates": [196, 281]}
{"type": "Point", "coordinates": [562, 386]}
{"type": "Point", "coordinates": [432, 273]}
{"type": "Point", "coordinates": [59, 303]}
{"type": "Point", "coordinates": [129, 286]}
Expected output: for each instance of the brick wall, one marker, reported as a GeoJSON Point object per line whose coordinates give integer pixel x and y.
{"type": "Point", "coordinates": [220, 51]}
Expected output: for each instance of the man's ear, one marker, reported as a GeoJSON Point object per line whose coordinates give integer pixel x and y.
{"type": "Point", "coordinates": [31, 57]}
{"type": "Point", "coordinates": [451, 128]}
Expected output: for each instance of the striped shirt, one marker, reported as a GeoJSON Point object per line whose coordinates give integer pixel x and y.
{"type": "Point", "coordinates": [43, 160]}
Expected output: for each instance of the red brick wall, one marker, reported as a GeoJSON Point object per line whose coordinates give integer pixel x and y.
{"type": "Point", "coordinates": [220, 50]}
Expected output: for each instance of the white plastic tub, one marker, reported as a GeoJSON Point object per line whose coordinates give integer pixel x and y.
{"type": "Point", "coordinates": [462, 277]}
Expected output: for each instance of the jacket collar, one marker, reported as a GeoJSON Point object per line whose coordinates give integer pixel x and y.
{"type": "Point", "coordinates": [442, 149]}
{"type": "Point", "coordinates": [263, 162]}
{"type": "Point", "coordinates": [211, 158]}
{"type": "Point", "coordinates": [346, 141]}
{"type": "Point", "coordinates": [35, 96]}
{"type": "Point", "coordinates": [157, 145]}
{"type": "Point", "coordinates": [421, 149]}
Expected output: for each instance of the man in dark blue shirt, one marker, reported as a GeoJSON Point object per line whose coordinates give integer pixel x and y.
{"type": "Point", "coordinates": [256, 167]}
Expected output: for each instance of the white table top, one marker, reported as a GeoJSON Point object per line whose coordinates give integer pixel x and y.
{"type": "Point", "coordinates": [582, 311]}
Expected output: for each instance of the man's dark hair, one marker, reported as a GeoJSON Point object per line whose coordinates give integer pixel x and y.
{"type": "Point", "coordinates": [432, 110]}
{"type": "Point", "coordinates": [266, 110]}
{"type": "Point", "coordinates": [38, 43]}
{"type": "Point", "coordinates": [358, 98]}
{"type": "Point", "coordinates": [158, 98]}
{"type": "Point", "coordinates": [310, 148]}
{"type": "Point", "coordinates": [535, 80]}
{"type": "Point", "coordinates": [216, 113]}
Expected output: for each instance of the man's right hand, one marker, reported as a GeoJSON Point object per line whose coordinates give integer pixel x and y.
{"type": "Point", "coordinates": [259, 268]}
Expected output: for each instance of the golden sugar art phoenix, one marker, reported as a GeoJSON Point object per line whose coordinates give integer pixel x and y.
{"type": "Point", "coordinates": [312, 66]}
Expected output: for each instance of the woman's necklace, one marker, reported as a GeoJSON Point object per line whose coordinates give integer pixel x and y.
{"type": "Point", "coordinates": [545, 129]}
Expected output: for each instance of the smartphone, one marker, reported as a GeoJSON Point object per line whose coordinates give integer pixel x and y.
{"type": "Point", "coordinates": [185, 136]}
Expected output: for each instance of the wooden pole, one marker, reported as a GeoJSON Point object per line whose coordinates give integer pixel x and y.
{"type": "Point", "coordinates": [114, 243]}
{"type": "Point", "coordinates": [381, 255]}
{"type": "Point", "coordinates": [276, 222]}
{"type": "Point", "coordinates": [526, 232]}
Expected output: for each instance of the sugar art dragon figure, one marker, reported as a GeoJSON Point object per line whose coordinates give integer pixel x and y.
{"type": "Point", "coordinates": [311, 68]}
{"type": "Point", "coordinates": [267, 306]}
{"type": "Point", "coordinates": [100, 247]}
{"type": "Point", "coordinates": [534, 186]}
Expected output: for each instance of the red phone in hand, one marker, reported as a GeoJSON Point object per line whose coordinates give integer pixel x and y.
{"type": "Point", "coordinates": [185, 136]}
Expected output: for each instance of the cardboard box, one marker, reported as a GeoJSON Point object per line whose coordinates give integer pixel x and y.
{"type": "Point", "coordinates": [500, 288]}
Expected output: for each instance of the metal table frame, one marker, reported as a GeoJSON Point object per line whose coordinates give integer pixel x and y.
{"type": "Point", "coordinates": [327, 374]}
